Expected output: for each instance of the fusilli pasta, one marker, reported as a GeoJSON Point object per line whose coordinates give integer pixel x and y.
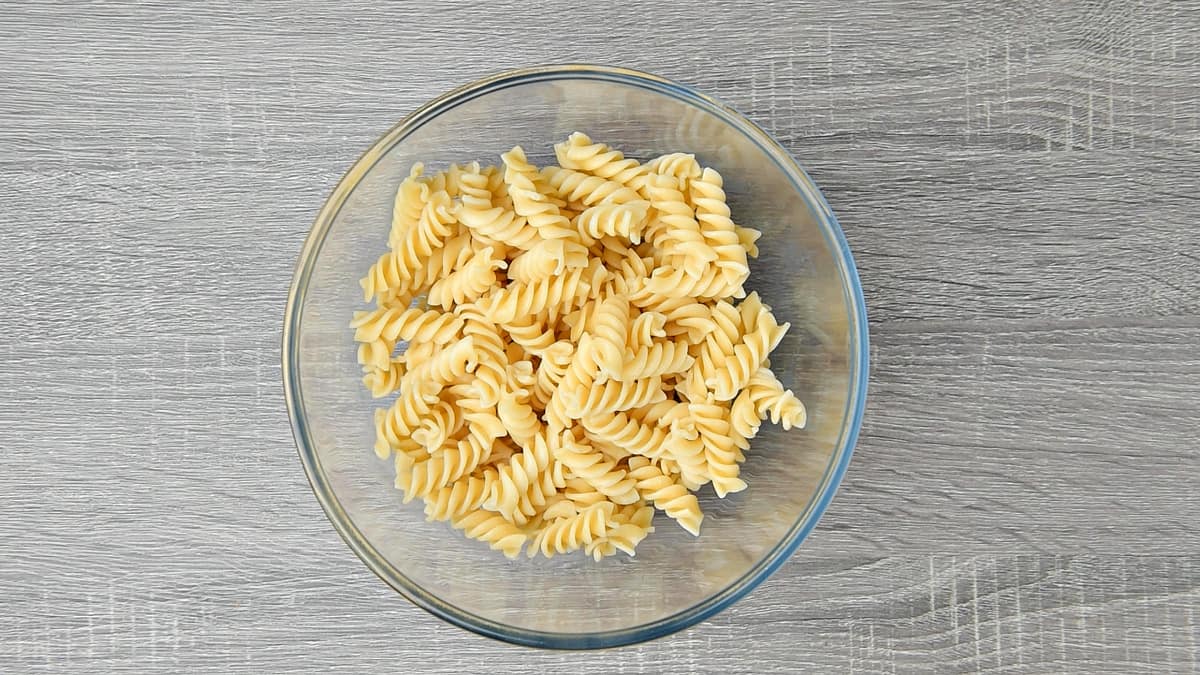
{"type": "Point", "coordinates": [581, 347]}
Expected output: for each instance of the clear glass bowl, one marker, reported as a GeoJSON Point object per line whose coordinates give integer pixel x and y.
{"type": "Point", "coordinates": [805, 273]}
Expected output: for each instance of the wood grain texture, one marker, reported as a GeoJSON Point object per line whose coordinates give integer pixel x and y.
{"type": "Point", "coordinates": [1017, 181]}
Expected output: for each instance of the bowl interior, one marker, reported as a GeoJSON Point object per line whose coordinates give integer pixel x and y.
{"type": "Point", "coordinates": [803, 273]}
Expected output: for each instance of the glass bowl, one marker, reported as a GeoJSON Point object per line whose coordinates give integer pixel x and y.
{"type": "Point", "coordinates": [805, 273]}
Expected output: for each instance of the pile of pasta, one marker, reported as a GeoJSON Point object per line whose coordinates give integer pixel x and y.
{"type": "Point", "coordinates": [580, 350]}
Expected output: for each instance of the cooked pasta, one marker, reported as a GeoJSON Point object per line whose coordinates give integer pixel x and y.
{"type": "Point", "coordinates": [570, 347]}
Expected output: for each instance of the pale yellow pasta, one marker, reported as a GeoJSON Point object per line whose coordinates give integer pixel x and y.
{"type": "Point", "coordinates": [562, 293]}
{"type": "Point", "coordinates": [669, 495]}
{"type": "Point", "coordinates": [523, 483]}
{"type": "Point", "coordinates": [581, 347]}
{"type": "Point", "coordinates": [547, 258]}
{"type": "Point", "coordinates": [530, 203]}
{"type": "Point", "coordinates": [613, 220]}
{"type": "Point", "coordinates": [720, 447]}
{"type": "Point", "coordinates": [708, 197]}
{"type": "Point", "coordinates": [493, 529]}
{"type": "Point", "coordinates": [580, 153]}
{"type": "Point", "coordinates": [489, 352]}
{"type": "Point", "coordinates": [564, 535]}
{"type": "Point", "coordinates": [657, 358]}
{"type": "Point", "coordinates": [457, 499]}
{"type": "Point", "coordinates": [403, 323]}
{"type": "Point", "coordinates": [683, 166]}
{"type": "Point", "coordinates": [732, 370]}
{"type": "Point", "coordinates": [615, 395]}
{"type": "Point", "coordinates": [395, 424]}
{"type": "Point", "coordinates": [675, 230]}
{"type": "Point", "coordinates": [492, 222]}
{"type": "Point", "coordinates": [531, 333]}
{"type": "Point", "coordinates": [594, 467]}
{"type": "Point", "coordinates": [629, 525]}
{"type": "Point", "coordinates": [576, 187]}
{"type": "Point", "coordinates": [406, 209]}
{"type": "Point", "coordinates": [449, 365]}
{"type": "Point", "coordinates": [622, 431]}
{"type": "Point", "coordinates": [611, 330]}
{"type": "Point", "coordinates": [765, 397]}
{"type": "Point", "coordinates": [467, 284]}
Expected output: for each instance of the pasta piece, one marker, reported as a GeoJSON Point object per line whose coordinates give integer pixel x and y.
{"type": "Point", "coordinates": [613, 220]}
{"type": "Point", "coordinates": [563, 293]}
{"type": "Point", "coordinates": [682, 166]}
{"type": "Point", "coordinates": [383, 381]}
{"type": "Point", "coordinates": [542, 214]}
{"type": "Point", "coordinates": [547, 258]}
{"type": "Point", "coordinates": [431, 230]}
{"type": "Point", "coordinates": [556, 359]}
{"type": "Point", "coordinates": [623, 431]}
{"type": "Point", "coordinates": [630, 524]}
{"type": "Point", "coordinates": [406, 208]}
{"type": "Point", "coordinates": [412, 324]}
{"type": "Point", "coordinates": [472, 280]}
{"type": "Point", "coordinates": [580, 188]}
{"type": "Point", "coordinates": [490, 353]}
{"type": "Point", "coordinates": [592, 466]}
{"type": "Point", "coordinates": [720, 448]}
{"type": "Point", "coordinates": [748, 237]}
{"type": "Point", "coordinates": [531, 333]}
{"type": "Point", "coordinates": [493, 223]}
{"type": "Point", "coordinates": [614, 395]}
{"type": "Point", "coordinates": [570, 534]}
{"type": "Point", "coordinates": [519, 419]}
{"type": "Point", "coordinates": [394, 425]}
{"type": "Point", "coordinates": [522, 484]}
{"type": "Point", "coordinates": [719, 232]}
{"type": "Point", "coordinates": [582, 493]}
{"type": "Point", "coordinates": [676, 230]}
{"type": "Point", "coordinates": [491, 528]}
{"type": "Point", "coordinates": [658, 358]}
{"type": "Point", "coordinates": [580, 153]}
{"type": "Point", "coordinates": [449, 365]}
{"type": "Point", "coordinates": [611, 330]}
{"type": "Point", "coordinates": [668, 495]}
{"type": "Point", "coordinates": [644, 328]}
{"type": "Point", "coordinates": [764, 396]}
{"type": "Point", "coordinates": [443, 421]}
{"type": "Point", "coordinates": [375, 355]}
{"type": "Point", "coordinates": [457, 499]}
{"type": "Point", "coordinates": [734, 370]}
{"type": "Point", "coordinates": [671, 282]}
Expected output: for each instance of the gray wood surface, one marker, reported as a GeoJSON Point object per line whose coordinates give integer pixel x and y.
{"type": "Point", "coordinates": [1017, 181]}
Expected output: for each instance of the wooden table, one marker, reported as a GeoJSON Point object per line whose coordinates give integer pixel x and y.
{"type": "Point", "coordinates": [1017, 180]}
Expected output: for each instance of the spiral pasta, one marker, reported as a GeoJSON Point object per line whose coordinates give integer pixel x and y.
{"type": "Point", "coordinates": [490, 222]}
{"type": "Point", "coordinates": [471, 281]}
{"type": "Point", "coordinates": [622, 431]}
{"type": "Point", "coordinates": [488, 527]}
{"type": "Point", "coordinates": [629, 525]}
{"type": "Point", "coordinates": [578, 152]}
{"type": "Point", "coordinates": [613, 220]}
{"type": "Point", "coordinates": [541, 212]}
{"type": "Point", "coordinates": [564, 535]}
{"type": "Point", "coordinates": [581, 348]}
{"type": "Point", "coordinates": [765, 397]}
{"type": "Point", "coordinates": [547, 258]}
{"type": "Point", "coordinates": [676, 230]}
{"type": "Point", "coordinates": [562, 293]}
{"type": "Point", "coordinates": [673, 498]}
{"type": "Point", "coordinates": [593, 467]}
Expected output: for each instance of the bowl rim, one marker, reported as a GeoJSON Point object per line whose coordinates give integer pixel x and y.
{"type": "Point", "coordinates": [709, 606]}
